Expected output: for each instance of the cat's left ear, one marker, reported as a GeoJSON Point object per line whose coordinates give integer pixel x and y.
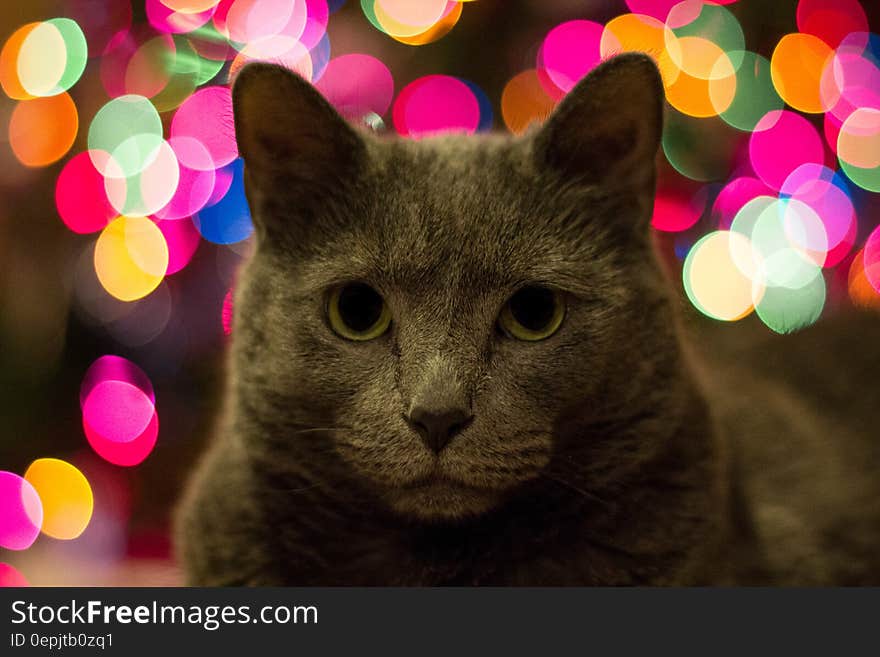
{"type": "Point", "coordinates": [288, 133]}
{"type": "Point", "coordinates": [607, 129]}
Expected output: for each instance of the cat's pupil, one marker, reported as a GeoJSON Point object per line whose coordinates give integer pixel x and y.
{"type": "Point", "coordinates": [533, 307]}
{"type": "Point", "coordinates": [360, 306]}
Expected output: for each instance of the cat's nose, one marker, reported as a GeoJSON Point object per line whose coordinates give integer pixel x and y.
{"type": "Point", "coordinates": [437, 427]}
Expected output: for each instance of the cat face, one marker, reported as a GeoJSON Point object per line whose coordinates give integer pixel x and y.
{"type": "Point", "coordinates": [443, 322]}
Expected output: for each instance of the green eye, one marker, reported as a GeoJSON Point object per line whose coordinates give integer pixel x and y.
{"type": "Point", "coordinates": [533, 313]}
{"type": "Point", "coordinates": [357, 312]}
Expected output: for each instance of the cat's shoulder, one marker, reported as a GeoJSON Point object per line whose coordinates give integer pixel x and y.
{"type": "Point", "coordinates": [800, 414]}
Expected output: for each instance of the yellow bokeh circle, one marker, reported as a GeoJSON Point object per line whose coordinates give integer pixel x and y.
{"type": "Point", "coordinates": [131, 257]}
{"type": "Point", "coordinates": [66, 496]}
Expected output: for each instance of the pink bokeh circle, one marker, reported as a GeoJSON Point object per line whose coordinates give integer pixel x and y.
{"type": "Point", "coordinates": [117, 410]}
{"type": "Point", "coordinates": [182, 239]}
{"type": "Point", "coordinates": [21, 512]}
{"type": "Point", "coordinates": [80, 195]}
{"type": "Point", "coordinates": [813, 184]}
{"type": "Point", "coordinates": [781, 142]}
{"type": "Point", "coordinates": [206, 116]}
{"type": "Point", "coordinates": [733, 196]}
{"type": "Point", "coordinates": [357, 84]}
{"type": "Point", "coordinates": [436, 104]}
{"type": "Point", "coordinates": [570, 51]}
{"type": "Point", "coordinates": [126, 454]}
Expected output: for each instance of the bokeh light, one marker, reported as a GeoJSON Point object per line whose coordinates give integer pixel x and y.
{"type": "Point", "coordinates": [860, 290]}
{"type": "Point", "coordinates": [823, 191]}
{"type": "Point", "coordinates": [698, 149]}
{"type": "Point", "coordinates": [218, 136]}
{"type": "Point", "coordinates": [66, 497]}
{"type": "Point", "coordinates": [754, 95]}
{"type": "Point", "coordinates": [487, 116]}
{"type": "Point", "coordinates": [570, 51]}
{"type": "Point", "coordinates": [10, 576]}
{"type": "Point", "coordinates": [831, 20]}
{"type": "Point", "coordinates": [733, 196]}
{"type": "Point", "coordinates": [52, 57]}
{"type": "Point", "coordinates": [850, 81]}
{"type": "Point", "coordinates": [226, 313]}
{"type": "Point", "coordinates": [9, 79]}
{"type": "Point", "coordinates": [42, 130]}
{"type": "Point", "coordinates": [706, 81]}
{"type": "Point", "coordinates": [131, 257]}
{"type": "Point", "coordinates": [80, 196]}
{"type": "Point", "coordinates": [166, 19]}
{"type": "Point", "coordinates": [127, 454]}
{"type": "Point", "coordinates": [195, 184]}
{"type": "Point", "coordinates": [858, 148]}
{"type": "Point", "coordinates": [190, 6]}
{"type": "Point", "coordinates": [710, 21]}
{"type": "Point", "coordinates": [524, 102]}
{"type": "Point", "coordinates": [254, 20]}
{"type": "Point", "coordinates": [790, 244]}
{"type": "Point", "coordinates": [438, 30]}
{"type": "Point", "coordinates": [115, 368]}
{"type": "Point", "coordinates": [677, 209]}
{"type": "Point", "coordinates": [413, 23]}
{"type": "Point", "coordinates": [149, 70]}
{"type": "Point", "coordinates": [785, 310]}
{"type": "Point", "coordinates": [436, 104]}
{"type": "Point", "coordinates": [714, 279]}
{"type": "Point", "coordinates": [129, 129]}
{"type": "Point", "coordinates": [357, 85]}
{"type": "Point", "coordinates": [22, 512]}
{"type": "Point", "coordinates": [150, 189]}
{"type": "Point", "coordinates": [871, 259]}
{"type": "Point", "coordinates": [796, 69]}
{"type": "Point", "coordinates": [227, 220]}
{"type": "Point", "coordinates": [782, 141]}
{"type": "Point", "coordinates": [406, 18]}
{"type": "Point", "coordinates": [646, 34]}
{"type": "Point", "coordinates": [118, 411]}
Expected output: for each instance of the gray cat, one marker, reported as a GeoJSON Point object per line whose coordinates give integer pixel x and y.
{"type": "Point", "coordinates": [456, 361]}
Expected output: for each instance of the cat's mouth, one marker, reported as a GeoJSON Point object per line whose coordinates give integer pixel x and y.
{"type": "Point", "coordinates": [439, 496]}
{"type": "Point", "coordinates": [436, 480]}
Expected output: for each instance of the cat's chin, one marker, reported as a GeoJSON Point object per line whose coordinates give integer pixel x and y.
{"type": "Point", "coordinates": [441, 500]}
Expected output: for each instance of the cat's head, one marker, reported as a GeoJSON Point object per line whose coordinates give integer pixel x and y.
{"type": "Point", "coordinates": [442, 321]}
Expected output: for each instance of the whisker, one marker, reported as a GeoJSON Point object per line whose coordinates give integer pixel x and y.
{"type": "Point", "coordinates": [576, 489]}
{"type": "Point", "coordinates": [318, 429]}
{"type": "Point", "coordinates": [301, 489]}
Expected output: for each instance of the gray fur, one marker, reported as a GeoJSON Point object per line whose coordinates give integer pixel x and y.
{"type": "Point", "coordinates": [605, 454]}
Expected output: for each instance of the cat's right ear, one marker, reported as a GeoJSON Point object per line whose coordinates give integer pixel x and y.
{"type": "Point", "coordinates": [292, 140]}
{"type": "Point", "coordinates": [607, 130]}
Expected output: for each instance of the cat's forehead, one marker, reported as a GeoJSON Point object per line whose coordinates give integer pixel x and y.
{"type": "Point", "coordinates": [463, 205]}
{"type": "Point", "coordinates": [463, 214]}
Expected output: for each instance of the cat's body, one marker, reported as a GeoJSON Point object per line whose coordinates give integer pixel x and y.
{"type": "Point", "coordinates": [603, 453]}
{"type": "Point", "coordinates": [802, 416]}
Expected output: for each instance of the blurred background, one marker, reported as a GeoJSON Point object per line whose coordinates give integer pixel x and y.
{"type": "Point", "coordinates": [123, 220]}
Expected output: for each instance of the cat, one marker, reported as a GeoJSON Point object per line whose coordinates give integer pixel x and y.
{"type": "Point", "coordinates": [457, 361]}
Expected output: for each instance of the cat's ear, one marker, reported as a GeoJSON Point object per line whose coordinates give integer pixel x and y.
{"type": "Point", "coordinates": [608, 128]}
{"type": "Point", "coordinates": [288, 134]}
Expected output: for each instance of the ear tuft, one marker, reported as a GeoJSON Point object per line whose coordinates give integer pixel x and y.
{"type": "Point", "coordinates": [608, 128]}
